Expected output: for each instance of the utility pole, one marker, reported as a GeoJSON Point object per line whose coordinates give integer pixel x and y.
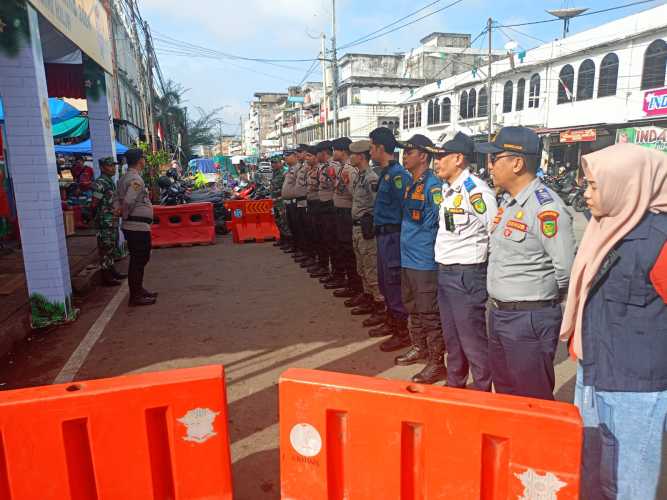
{"type": "Point", "coordinates": [489, 82]}
{"type": "Point", "coordinates": [334, 68]}
{"type": "Point", "coordinates": [325, 96]}
{"type": "Point", "coordinates": [149, 69]}
{"type": "Point", "coordinates": [137, 56]}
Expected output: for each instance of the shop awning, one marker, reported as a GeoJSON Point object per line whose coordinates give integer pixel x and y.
{"type": "Point", "coordinates": [60, 111]}
{"type": "Point", "coordinates": [74, 127]}
{"type": "Point", "coordinates": [85, 147]}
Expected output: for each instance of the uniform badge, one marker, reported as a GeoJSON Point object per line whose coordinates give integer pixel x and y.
{"type": "Point", "coordinates": [456, 211]}
{"type": "Point", "coordinates": [458, 199]}
{"type": "Point", "coordinates": [549, 223]}
{"type": "Point", "coordinates": [478, 203]}
{"type": "Point", "coordinates": [136, 186]}
{"type": "Point", "coordinates": [519, 226]}
{"type": "Point", "coordinates": [507, 232]}
{"type": "Point", "coordinates": [419, 189]}
{"type": "Point", "coordinates": [469, 184]}
{"type": "Point", "coordinates": [437, 195]}
{"type": "Point", "coordinates": [543, 196]}
{"type": "Point", "coordinates": [386, 177]}
{"type": "Point", "coordinates": [498, 216]}
{"type": "Point", "coordinates": [398, 182]}
{"type": "Point", "coordinates": [518, 215]}
{"type": "Point", "coordinates": [416, 215]}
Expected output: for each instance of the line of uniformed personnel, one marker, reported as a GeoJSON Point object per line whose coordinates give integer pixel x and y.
{"type": "Point", "coordinates": [425, 249]}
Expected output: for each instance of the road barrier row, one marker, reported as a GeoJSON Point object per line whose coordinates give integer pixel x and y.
{"type": "Point", "coordinates": [252, 221]}
{"type": "Point", "coordinates": [183, 225]}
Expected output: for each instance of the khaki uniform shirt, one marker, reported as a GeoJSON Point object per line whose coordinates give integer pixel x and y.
{"type": "Point", "coordinates": [134, 201]}
{"type": "Point", "coordinates": [343, 189]}
{"type": "Point", "coordinates": [313, 180]}
{"type": "Point", "coordinates": [364, 188]}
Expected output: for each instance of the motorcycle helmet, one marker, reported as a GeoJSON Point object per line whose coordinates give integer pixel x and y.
{"type": "Point", "coordinates": [173, 173]}
{"type": "Point", "coordinates": [165, 182]}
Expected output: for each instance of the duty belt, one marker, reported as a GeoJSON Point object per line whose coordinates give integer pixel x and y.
{"type": "Point", "coordinates": [146, 220]}
{"type": "Point", "coordinates": [388, 229]}
{"type": "Point", "coordinates": [522, 306]}
{"type": "Point", "coordinates": [463, 267]}
{"type": "Point", "coordinates": [300, 198]}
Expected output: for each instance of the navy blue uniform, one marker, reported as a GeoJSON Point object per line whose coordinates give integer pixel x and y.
{"type": "Point", "coordinates": [387, 216]}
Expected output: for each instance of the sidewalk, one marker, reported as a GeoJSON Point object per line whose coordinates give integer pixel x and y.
{"type": "Point", "coordinates": [14, 309]}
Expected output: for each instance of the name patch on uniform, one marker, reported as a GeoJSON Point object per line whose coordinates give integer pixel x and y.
{"type": "Point", "coordinates": [499, 216]}
{"type": "Point", "coordinates": [549, 223]}
{"type": "Point", "coordinates": [543, 196]}
{"type": "Point", "coordinates": [469, 184]}
{"type": "Point", "coordinates": [416, 215]}
{"type": "Point", "coordinates": [398, 182]}
{"type": "Point", "coordinates": [437, 195]}
{"type": "Point", "coordinates": [457, 211]}
{"type": "Point", "coordinates": [418, 196]}
{"type": "Point", "coordinates": [419, 189]}
{"type": "Point", "coordinates": [136, 186]}
{"type": "Point", "coordinates": [515, 224]}
{"type": "Point", "coordinates": [458, 199]}
{"type": "Point", "coordinates": [478, 203]}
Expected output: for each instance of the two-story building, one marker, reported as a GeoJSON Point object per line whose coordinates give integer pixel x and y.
{"type": "Point", "coordinates": [579, 93]}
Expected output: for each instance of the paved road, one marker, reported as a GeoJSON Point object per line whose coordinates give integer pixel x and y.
{"type": "Point", "coordinates": [248, 307]}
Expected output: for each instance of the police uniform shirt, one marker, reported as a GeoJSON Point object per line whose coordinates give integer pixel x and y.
{"type": "Point", "coordinates": [134, 201]}
{"type": "Point", "coordinates": [420, 223]}
{"type": "Point", "coordinates": [532, 247]}
{"type": "Point", "coordinates": [393, 181]}
{"type": "Point", "coordinates": [466, 212]}
{"type": "Point", "coordinates": [301, 183]}
{"type": "Point", "coordinates": [313, 182]}
{"type": "Point", "coordinates": [342, 196]}
{"type": "Point", "coordinates": [327, 177]}
{"type": "Point", "coordinates": [289, 182]}
{"type": "Point", "coordinates": [364, 186]}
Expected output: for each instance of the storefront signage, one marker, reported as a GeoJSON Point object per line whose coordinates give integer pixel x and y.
{"type": "Point", "coordinates": [655, 102]}
{"type": "Point", "coordinates": [648, 137]}
{"type": "Point", "coordinates": [586, 135]}
{"type": "Point", "coordinates": [296, 99]}
{"type": "Point", "coordinates": [84, 22]}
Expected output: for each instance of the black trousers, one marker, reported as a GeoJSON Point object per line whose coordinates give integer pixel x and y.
{"type": "Point", "coordinates": [328, 235]}
{"type": "Point", "coordinates": [295, 228]}
{"type": "Point", "coordinates": [139, 245]}
{"type": "Point", "coordinates": [344, 249]}
{"type": "Point", "coordinates": [419, 293]}
{"type": "Point", "coordinates": [302, 219]}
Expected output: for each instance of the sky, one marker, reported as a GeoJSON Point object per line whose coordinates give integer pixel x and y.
{"type": "Point", "coordinates": [290, 29]}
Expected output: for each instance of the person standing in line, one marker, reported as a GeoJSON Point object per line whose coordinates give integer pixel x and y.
{"type": "Point", "coordinates": [616, 318]}
{"type": "Point", "coordinates": [288, 196]}
{"type": "Point", "coordinates": [419, 271]}
{"type": "Point", "coordinates": [531, 254]}
{"type": "Point", "coordinates": [330, 272]}
{"type": "Point", "coordinates": [306, 251]}
{"type": "Point", "coordinates": [137, 213]}
{"type": "Point", "coordinates": [312, 174]}
{"type": "Point", "coordinates": [461, 251]}
{"type": "Point", "coordinates": [106, 221]}
{"type": "Point", "coordinates": [279, 213]}
{"type": "Point", "coordinates": [387, 217]}
{"type": "Point", "coordinates": [364, 187]}
{"type": "Point", "coordinates": [342, 199]}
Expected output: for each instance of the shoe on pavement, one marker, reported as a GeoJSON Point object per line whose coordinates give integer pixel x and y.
{"type": "Point", "coordinates": [396, 342]}
{"type": "Point", "coordinates": [433, 372]}
{"type": "Point", "coordinates": [414, 355]}
{"type": "Point", "coordinates": [357, 300]}
{"type": "Point", "coordinates": [334, 285]}
{"type": "Point", "coordinates": [363, 309]}
{"type": "Point", "coordinates": [117, 274]}
{"type": "Point", "coordinates": [320, 273]}
{"type": "Point", "coordinates": [328, 279]}
{"type": "Point", "coordinates": [108, 278]}
{"type": "Point", "coordinates": [345, 293]}
{"type": "Point", "coordinates": [385, 328]}
{"type": "Point", "coordinates": [141, 301]}
{"type": "Point", "coordinates": [150, 295]}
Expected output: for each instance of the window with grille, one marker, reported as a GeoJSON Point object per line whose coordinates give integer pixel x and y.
{"type": "Point", "coordinates": [418, 115]}
{"type": "Point", "coordinates": [406, 123]}
{"type": "Point", "coordinates": [534, 92]}
{"type": "Point", "coordinates": [446, 111]}
{"type": "Point", "coordinates": [436, 111]}
{"type": "Point", "coordinates": [586, 80]}
{"type": "Point", "coordinates": [482, 103]}
{"type": "Point", "coordinates": [565, 84]}
{"type": "Point", "coordinates": [508, 90]}
{"type": "Point", "coordinates": [463, 105]}
{"type": "Point", "coordinates": [655, 65]}
{"type": "Point", "coordinates": [608, 80]}
{"type": "Point", "coordinates": [520, 94]}
{"type": "Point", "coordinates": [472, 103]}
{"type": "Point", "coordinates": [429, 117]}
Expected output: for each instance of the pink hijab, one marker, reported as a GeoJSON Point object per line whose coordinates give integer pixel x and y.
{"type": "Point", "coordinates": [632, 180]}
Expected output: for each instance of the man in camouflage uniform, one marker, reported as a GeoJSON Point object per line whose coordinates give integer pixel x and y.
{"type": "Point", "coordinates": [106, 220]}
{"type": "Point", "coordinates": [279, 214]}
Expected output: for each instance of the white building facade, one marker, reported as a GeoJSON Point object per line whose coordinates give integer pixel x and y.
{"type": "Point", "coordinates": [578, 93]}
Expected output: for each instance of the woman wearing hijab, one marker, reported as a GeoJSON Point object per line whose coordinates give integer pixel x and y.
{"type": "Point", "coordinates": [616, 319]}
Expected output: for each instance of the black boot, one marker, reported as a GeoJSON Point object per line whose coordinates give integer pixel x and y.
{"type": "Point", "coordinates": [108, 278]}
{"type": "Point", "coordinates": [150, 295]}
{"type": "Point", "coordinates": [434, 371]}
{"type": "Point", "coordinates": [378, 316]}
{"type": "Point", "coordinates": [319, 272]}
{"type": "Point", "coordinates": [414, 355]}
{"type": "Point", "coordinates": [385, 328]}
{"type": "Point", "coordinates": [328, 279]}
{"type": "Point", "coordinates": [345, 293]}
{"type": "Point", "coordinates": [367, 307]}
{"type": "Point", "coordinates": [400, 338]}
{"type": "Point", "coordinates": [357, 300]}
{"type": "Point", "coordinates": [141, 301]}
{"type": "Point", "coordinates": [308, 263]}
{"type": "Point", "coordinates": [117, 274]}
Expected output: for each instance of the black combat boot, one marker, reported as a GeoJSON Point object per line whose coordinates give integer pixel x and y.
{"type": "Point", "coordinates": [308, 263]}
{"type": "Point", "coordinates": [357, 300]}
{"type": "Point", "coordinates": [141, 301]}
{"type": "Point", "coordinates": [150, 295]}
{"type": "Point", "coordinates": [399, 339]}
{"type": "Point", "coordinates": [328, 279]}
{"type": "Point", "coordinates": [415, 354]}
{"type": "Point", "coordinates": [108, 278]}
{"type": "Point", "coordinates": [378, 316]}
{"type": "Point", "coordinates": [320, 272]}
{"type": "Point", "coordinates": [366, 307]}
{"type": "Point", "coordinates": [385, 328]}
{"type": "Point", "coordinates": [339, 282]}
{"type": "Point", "coordinates": [117, 274]}
{"type": "Point", "coordinates": [345, 293]}
{"type": "Point", "coordinates": [434, 371]}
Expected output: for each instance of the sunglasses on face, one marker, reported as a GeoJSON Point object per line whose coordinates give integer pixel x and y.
{"type": "Point", "coordinates": [494, 157]}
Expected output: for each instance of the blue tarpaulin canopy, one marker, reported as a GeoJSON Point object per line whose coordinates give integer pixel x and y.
{"type": "Point", "coordinates": [203, 165]}
{"type": "Point", "coordinates": [60, 110]}
{"type": "Point", "coordinates": [85, 147]}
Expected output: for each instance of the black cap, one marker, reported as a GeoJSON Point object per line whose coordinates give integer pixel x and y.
{"type": "Point", "coordinates": [341, 144]}
{"type": "Point", "coordinates": [289, 151]}
{"type": "Point", "coordinates": [324, 146]}
{"type": "Point", "coordinates": [417, 141]}
{"type": "Point", "coordinates": [134, 155]}
{"type": "Point", "coordinates": [109, 160]}
{"type": "Point", "coordinates": [311, 150]}
{"type": "Point", "coordinates": [302, 148]}
{"type": "Point", "coordinates": [461, 143]}
{"type": "Point", "coordinates": [385, 137]}
{"type": "Point", "coordinates": [515, 139]}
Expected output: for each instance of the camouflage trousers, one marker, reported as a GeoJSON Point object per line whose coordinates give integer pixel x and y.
{"type": "Point", "coordinates": [365, 252]}
{"type": "Point", "coordinates": [280, 215]}
{"type": "Point", "coordinates": [107, 243]}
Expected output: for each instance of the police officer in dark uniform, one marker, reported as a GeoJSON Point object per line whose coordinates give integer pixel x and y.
{"type": "Point", "coordinates": [419, 271]}
{"type": "Point", "coordinates": [305, 250]}
{"type": "Point", "coordinates": [531, 255]}
{"type": "Point", "coordinates": [137, 214]}
{"type": "Point", "coordinates": [287, 194]}
{"type": "Point", "coordinates": [387, 218]}
{"type": "Point", "coordinates": [314, 221]}
{"type": "Point", "coordinates": [329, 263]}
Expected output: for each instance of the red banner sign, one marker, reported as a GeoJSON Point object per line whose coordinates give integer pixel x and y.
{"type": "Point", "coordinates": [586, 135]}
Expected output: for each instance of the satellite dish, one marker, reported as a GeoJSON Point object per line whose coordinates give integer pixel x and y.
{"type": "Point", "coordinates": [511, 45]}
{"type": "Point", "coordinates": [566, 15]}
